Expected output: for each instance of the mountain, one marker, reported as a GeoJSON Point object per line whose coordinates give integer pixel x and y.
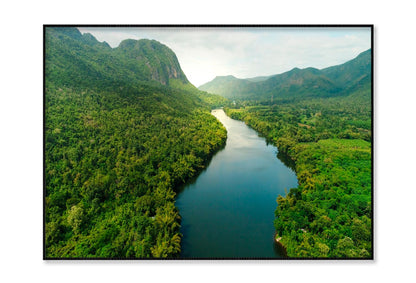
{"type": "Point", "coordinates": [309, 82]}
{"type": "Point", "coordinates": [157, 61]}
{"type": "Point", "coordinates": [227, 86]}
{"type": "Point", "coordinates": [297, 82]}
{"type": "Point", "coordinates": [258, 79]}
{"type": "Point", "coordinates": [79, 59]}
{"type": "Point", "coordinates": [351, 72]}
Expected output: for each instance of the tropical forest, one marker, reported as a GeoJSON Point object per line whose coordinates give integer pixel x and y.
{"type": "Point", "coordinates": [136, 157]}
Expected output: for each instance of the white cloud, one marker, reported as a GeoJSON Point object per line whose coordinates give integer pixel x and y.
{"type": "Point", "coordinates": [248, 52]}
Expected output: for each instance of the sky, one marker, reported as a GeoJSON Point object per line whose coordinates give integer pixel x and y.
{"type": "Point", "coordinates": [243, 52]}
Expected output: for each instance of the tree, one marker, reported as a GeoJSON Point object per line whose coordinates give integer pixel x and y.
{"type": "Point", "coordinates": [75, 217]}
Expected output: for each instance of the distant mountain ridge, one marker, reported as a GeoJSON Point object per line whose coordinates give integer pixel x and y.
{"type": "Point", "coordinates": [352, 71]}
{"type": "Point", "coordinates": [308, 82]}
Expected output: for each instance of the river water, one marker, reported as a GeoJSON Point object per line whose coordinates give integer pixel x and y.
{"type": "Point", "coordinates": [228, 210]}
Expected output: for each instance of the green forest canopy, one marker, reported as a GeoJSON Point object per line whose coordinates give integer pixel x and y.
{"type": "Point", "coordinates": [120, 134]}
{"type": "Point", "coordinates": [124, 127]}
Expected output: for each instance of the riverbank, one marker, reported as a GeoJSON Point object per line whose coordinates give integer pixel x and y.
{"type": "Point", "coordinates": [329, 213]}
{"type": "Point", "coordinates": [279, 245]}
{"type": "Point", "coordinates": [235, 195]}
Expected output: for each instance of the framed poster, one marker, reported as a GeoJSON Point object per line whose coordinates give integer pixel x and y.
{"type": "Point", "coordinates": [208, 142]}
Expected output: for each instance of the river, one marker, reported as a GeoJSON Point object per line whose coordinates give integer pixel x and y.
{"type": "Point", "coordinates": [228, 210]}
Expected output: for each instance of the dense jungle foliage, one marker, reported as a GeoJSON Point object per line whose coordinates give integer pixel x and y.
{"type": "Point", "coordinates": [123, 128]}
{"type": "Point", "coordinates": [329, 214]}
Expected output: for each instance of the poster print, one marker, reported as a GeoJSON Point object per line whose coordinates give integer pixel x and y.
{"type": "Point", "coordinates": [208, 142]}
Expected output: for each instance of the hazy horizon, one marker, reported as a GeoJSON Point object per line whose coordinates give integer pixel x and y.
{"type": "Point", "coordinates": [247, 52]}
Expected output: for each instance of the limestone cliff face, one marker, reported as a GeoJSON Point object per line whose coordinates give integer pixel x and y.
{"type": "Point", "coordinates": [156, 61]}
{"type": "Point", "coordinates": [76, 59]}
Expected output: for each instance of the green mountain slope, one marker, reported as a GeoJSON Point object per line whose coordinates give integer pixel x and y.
{"type": "Point", "coordinates": [307, 82]}
{"type": "Point", "coordinates": [83, 61]}
{"type": "Point", "coordinates": [123, 127]}
{"type": "Point", "coordinates": [153, 60]}
{"type": "Point", "coordinates": [258, 79]}
{"type": "Point", "coordinates": [297, 83]}
{"type": "Point", "coordinates": [351, 72]}
{"type": "Point", "coordinates": [226, 86]}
